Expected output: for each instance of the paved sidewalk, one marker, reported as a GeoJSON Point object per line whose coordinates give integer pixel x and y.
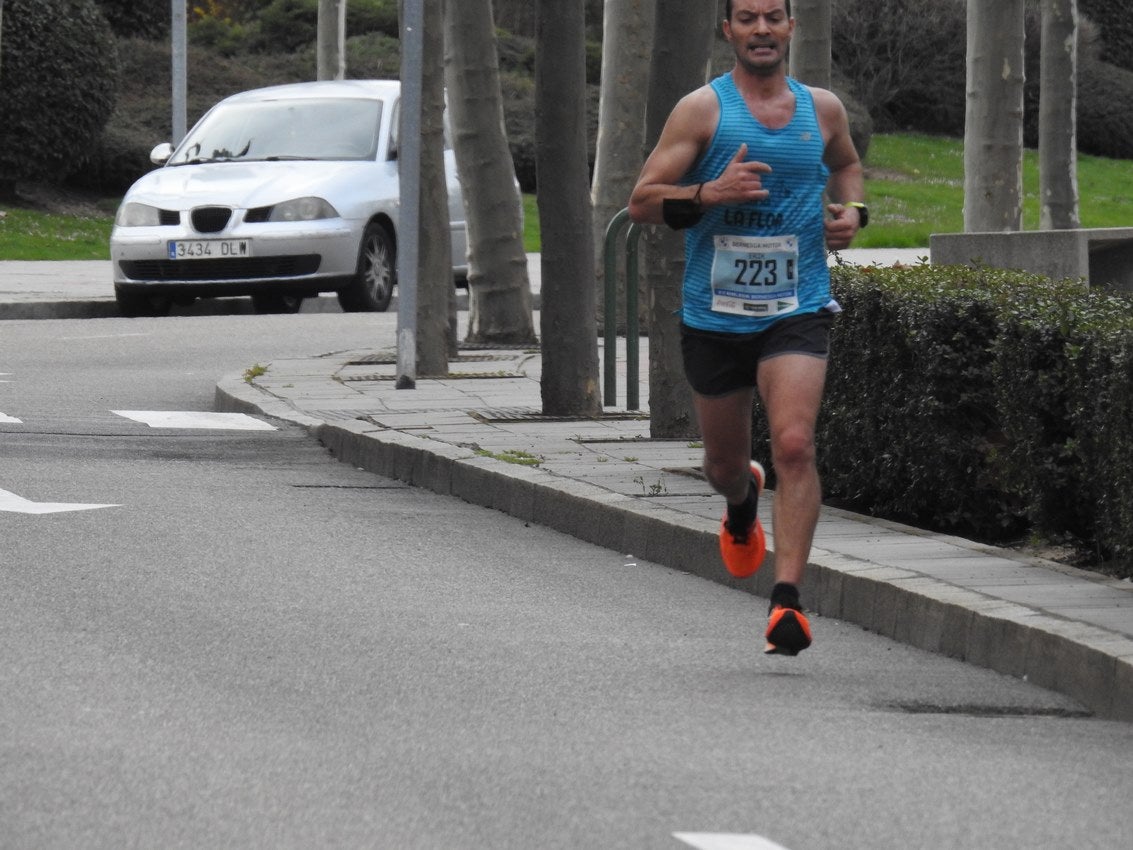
{"type": "Point", "coordinates": [606, 481]}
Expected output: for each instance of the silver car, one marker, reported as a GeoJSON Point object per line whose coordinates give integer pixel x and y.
{"type": "Point", "coordinates": [278, 193]}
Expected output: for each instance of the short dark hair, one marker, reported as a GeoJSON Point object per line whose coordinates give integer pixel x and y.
{"type": "Point", "coordinates": [728, 8]}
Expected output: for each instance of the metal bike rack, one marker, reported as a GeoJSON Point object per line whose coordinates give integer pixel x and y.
{"type": "Point", "coordinates": [610, 326]}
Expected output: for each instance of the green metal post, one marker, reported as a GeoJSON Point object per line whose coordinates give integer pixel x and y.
{"type": "Point", "coordinates": [632, 331]}
{"type": "Point", "coordinates": [610, 324]}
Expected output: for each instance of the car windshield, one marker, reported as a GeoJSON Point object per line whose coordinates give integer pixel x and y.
{"type": "Point", "coordinates": [328, 129]}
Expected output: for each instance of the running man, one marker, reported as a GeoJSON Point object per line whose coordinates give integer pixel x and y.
{"type": "Point", "coordinates": [744, 164]}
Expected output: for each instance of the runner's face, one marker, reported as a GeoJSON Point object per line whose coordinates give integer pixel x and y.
{"type": "Point", "coordinates": [759, 31]}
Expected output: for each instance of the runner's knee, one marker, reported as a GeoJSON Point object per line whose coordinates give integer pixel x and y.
{"type": "Point", "coordinates": [793, 448]}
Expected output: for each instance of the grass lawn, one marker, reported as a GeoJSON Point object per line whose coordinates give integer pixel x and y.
{"type": "Point", "coordinates": [914, 185]}
{"type": "Point", "coordinates": [33, 235]}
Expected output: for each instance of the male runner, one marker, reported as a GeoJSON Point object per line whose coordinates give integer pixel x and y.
{"type": "Point", "coordinates": [744, 163]}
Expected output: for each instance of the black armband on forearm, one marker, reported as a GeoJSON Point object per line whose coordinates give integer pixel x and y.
{"type": "Point", "coordinates": [680, 213]}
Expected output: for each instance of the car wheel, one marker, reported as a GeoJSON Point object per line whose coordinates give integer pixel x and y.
{"type": "Point", "coordinates": [372, 287]}
{"type": "Point", "coordinates": [136, 304]}
{"type": "Point", "coordinates": [274, 302]}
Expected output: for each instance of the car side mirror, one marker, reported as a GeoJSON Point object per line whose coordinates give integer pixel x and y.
{"type": "Point", "coordinates": [160, 154]}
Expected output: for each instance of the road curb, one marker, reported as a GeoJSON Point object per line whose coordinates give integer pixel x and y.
{"type": "Point", "coordinates": [1084, 662]}
{"type": "Point", "coordinates": [21, 310]}
{"type": "Point", "coordinates": [108, 308]}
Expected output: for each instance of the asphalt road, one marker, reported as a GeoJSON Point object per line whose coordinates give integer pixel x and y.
{"type": "Point", "coordinates": [258, 646]}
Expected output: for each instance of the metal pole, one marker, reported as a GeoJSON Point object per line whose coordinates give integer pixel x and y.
{"type": "Point", "coordinates": [177, 35]}
{"type": "Point", "coordinates": [409, 168]}
{"type": "Point", "coordinates": [330, 52]}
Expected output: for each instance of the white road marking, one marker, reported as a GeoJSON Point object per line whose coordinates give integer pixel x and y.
{"type": "Point", "coordinates": [195, 419]}
{"type": "Point", "coordinates": [10, 420]}
{"type": "Point", "coordinates": [726, 841]}
{"type": "Point", "coordinates": [18, 504]}
{"type": "Point", "coordinates": [99, 336]}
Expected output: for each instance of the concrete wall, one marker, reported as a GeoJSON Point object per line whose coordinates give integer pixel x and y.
{"type": "Point", "coordinates": [1103, 256]}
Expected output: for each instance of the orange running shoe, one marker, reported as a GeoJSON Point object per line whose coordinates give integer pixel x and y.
{"type": "Point", "coordinates": [788, 632]}
{"type": "Point", "coordinates": [743, 553]}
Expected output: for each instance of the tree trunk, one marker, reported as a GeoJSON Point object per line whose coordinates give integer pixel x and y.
{"type": "Point", "coordinates": [681, 50]}
{"type": "Point", "coordinates": [626, 44]}
{"type": "Point", "coordinates": [1058, 116]}
{"type": "Point", "coordinates": [569, 344]}
{"type": "Point", "coordinates": [499, 292]}
{"type": "Point", "coordinates": [810, 47]}
{"type": "Point", "coordinates": [330, 55]}
{"type": "Point", "coordinates": [993, 126]}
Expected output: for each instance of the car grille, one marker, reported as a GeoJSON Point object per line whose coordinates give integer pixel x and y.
{"type": "Point", "coordinates": [211, 219]}
{"type": "Point", "coordinates": [247, 268]}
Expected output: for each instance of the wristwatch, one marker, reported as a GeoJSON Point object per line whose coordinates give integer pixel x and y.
{"type": "Point", "coordinates": [863, 212]}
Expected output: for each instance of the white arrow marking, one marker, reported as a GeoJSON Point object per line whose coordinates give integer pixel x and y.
{"type": "Point", "coordinates": [726, 841]}
{"type": "Point", "coordinates": [10, 420]}
{"type": "Point", "coordinates": [193, 419]}
{"type": "Point", "coordinates": [18, 504]}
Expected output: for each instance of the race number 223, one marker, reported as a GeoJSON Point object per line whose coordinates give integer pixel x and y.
{"type": "Point", "coordinates": [762, 271]}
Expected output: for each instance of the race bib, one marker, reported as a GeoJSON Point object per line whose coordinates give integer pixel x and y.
{"type": "Point", "coordinates": [755, 276]}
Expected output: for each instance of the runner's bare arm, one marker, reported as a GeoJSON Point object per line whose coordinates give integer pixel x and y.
{"type": "Point", "coordinates": [684, 139]}
{"type": "Point", "coordinates": [846, 181]}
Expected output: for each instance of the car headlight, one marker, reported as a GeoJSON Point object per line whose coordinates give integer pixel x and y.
{"type": "Point", "coordinates": [302, 209]}
{"type": "Point", "coordinates": [137, 215]}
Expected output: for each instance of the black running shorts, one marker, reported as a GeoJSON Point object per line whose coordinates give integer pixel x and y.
{"type": "Point", "coordinates": [717, 364]}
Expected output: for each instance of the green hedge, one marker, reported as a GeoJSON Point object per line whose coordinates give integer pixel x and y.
{"type": "Point", "coordinates": [59, 78]}
{"type": "Point", "coordinates": [982, 402]}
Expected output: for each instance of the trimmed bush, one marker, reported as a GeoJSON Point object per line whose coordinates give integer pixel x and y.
{"type": "Point", "coordinates": [1105, 92]}
{"type": "Point", "coordinates": [982, 402]}
{"type": "Point", "coordinates": [59, 76]}
{"type": "Point", "coordinates": [1105, 110]}
{"type": "Point", "coordinates": [904, 60]}
{"type": "Point", "coordinates": [287, 25]}
{"type": "Point", "coordinates": [130, 18]}
{"type": "Point", "coordinates": [1116, 24]}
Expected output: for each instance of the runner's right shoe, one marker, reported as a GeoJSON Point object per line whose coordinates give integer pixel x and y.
{"type": "Point", "coordinates": [743, 551]}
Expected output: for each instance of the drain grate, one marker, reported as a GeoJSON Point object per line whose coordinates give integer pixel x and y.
{"type": "Point", "coordinates": [462, 376]}
{"type": "Point", "coordinates": [527, 414]}
{"type": "Point", "coordinates": [393, 486]}
{"type": "Point", "coordinates": [390, 358]}
{"type": "Point", "coordinates": [346, 415]}
{"type": "Point", "coordinates": [496, 346]}
{"type": "Point", "coordinates": [349, 379]}
{"type": "Point", "coordinates": [374, 360]}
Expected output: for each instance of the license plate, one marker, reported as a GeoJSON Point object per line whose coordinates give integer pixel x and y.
{"type": "Point", "coordinates": [209, 249]}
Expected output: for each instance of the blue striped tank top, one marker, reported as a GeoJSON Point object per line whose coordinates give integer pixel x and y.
{"type": "Point", "coordinates": [777, 266]}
